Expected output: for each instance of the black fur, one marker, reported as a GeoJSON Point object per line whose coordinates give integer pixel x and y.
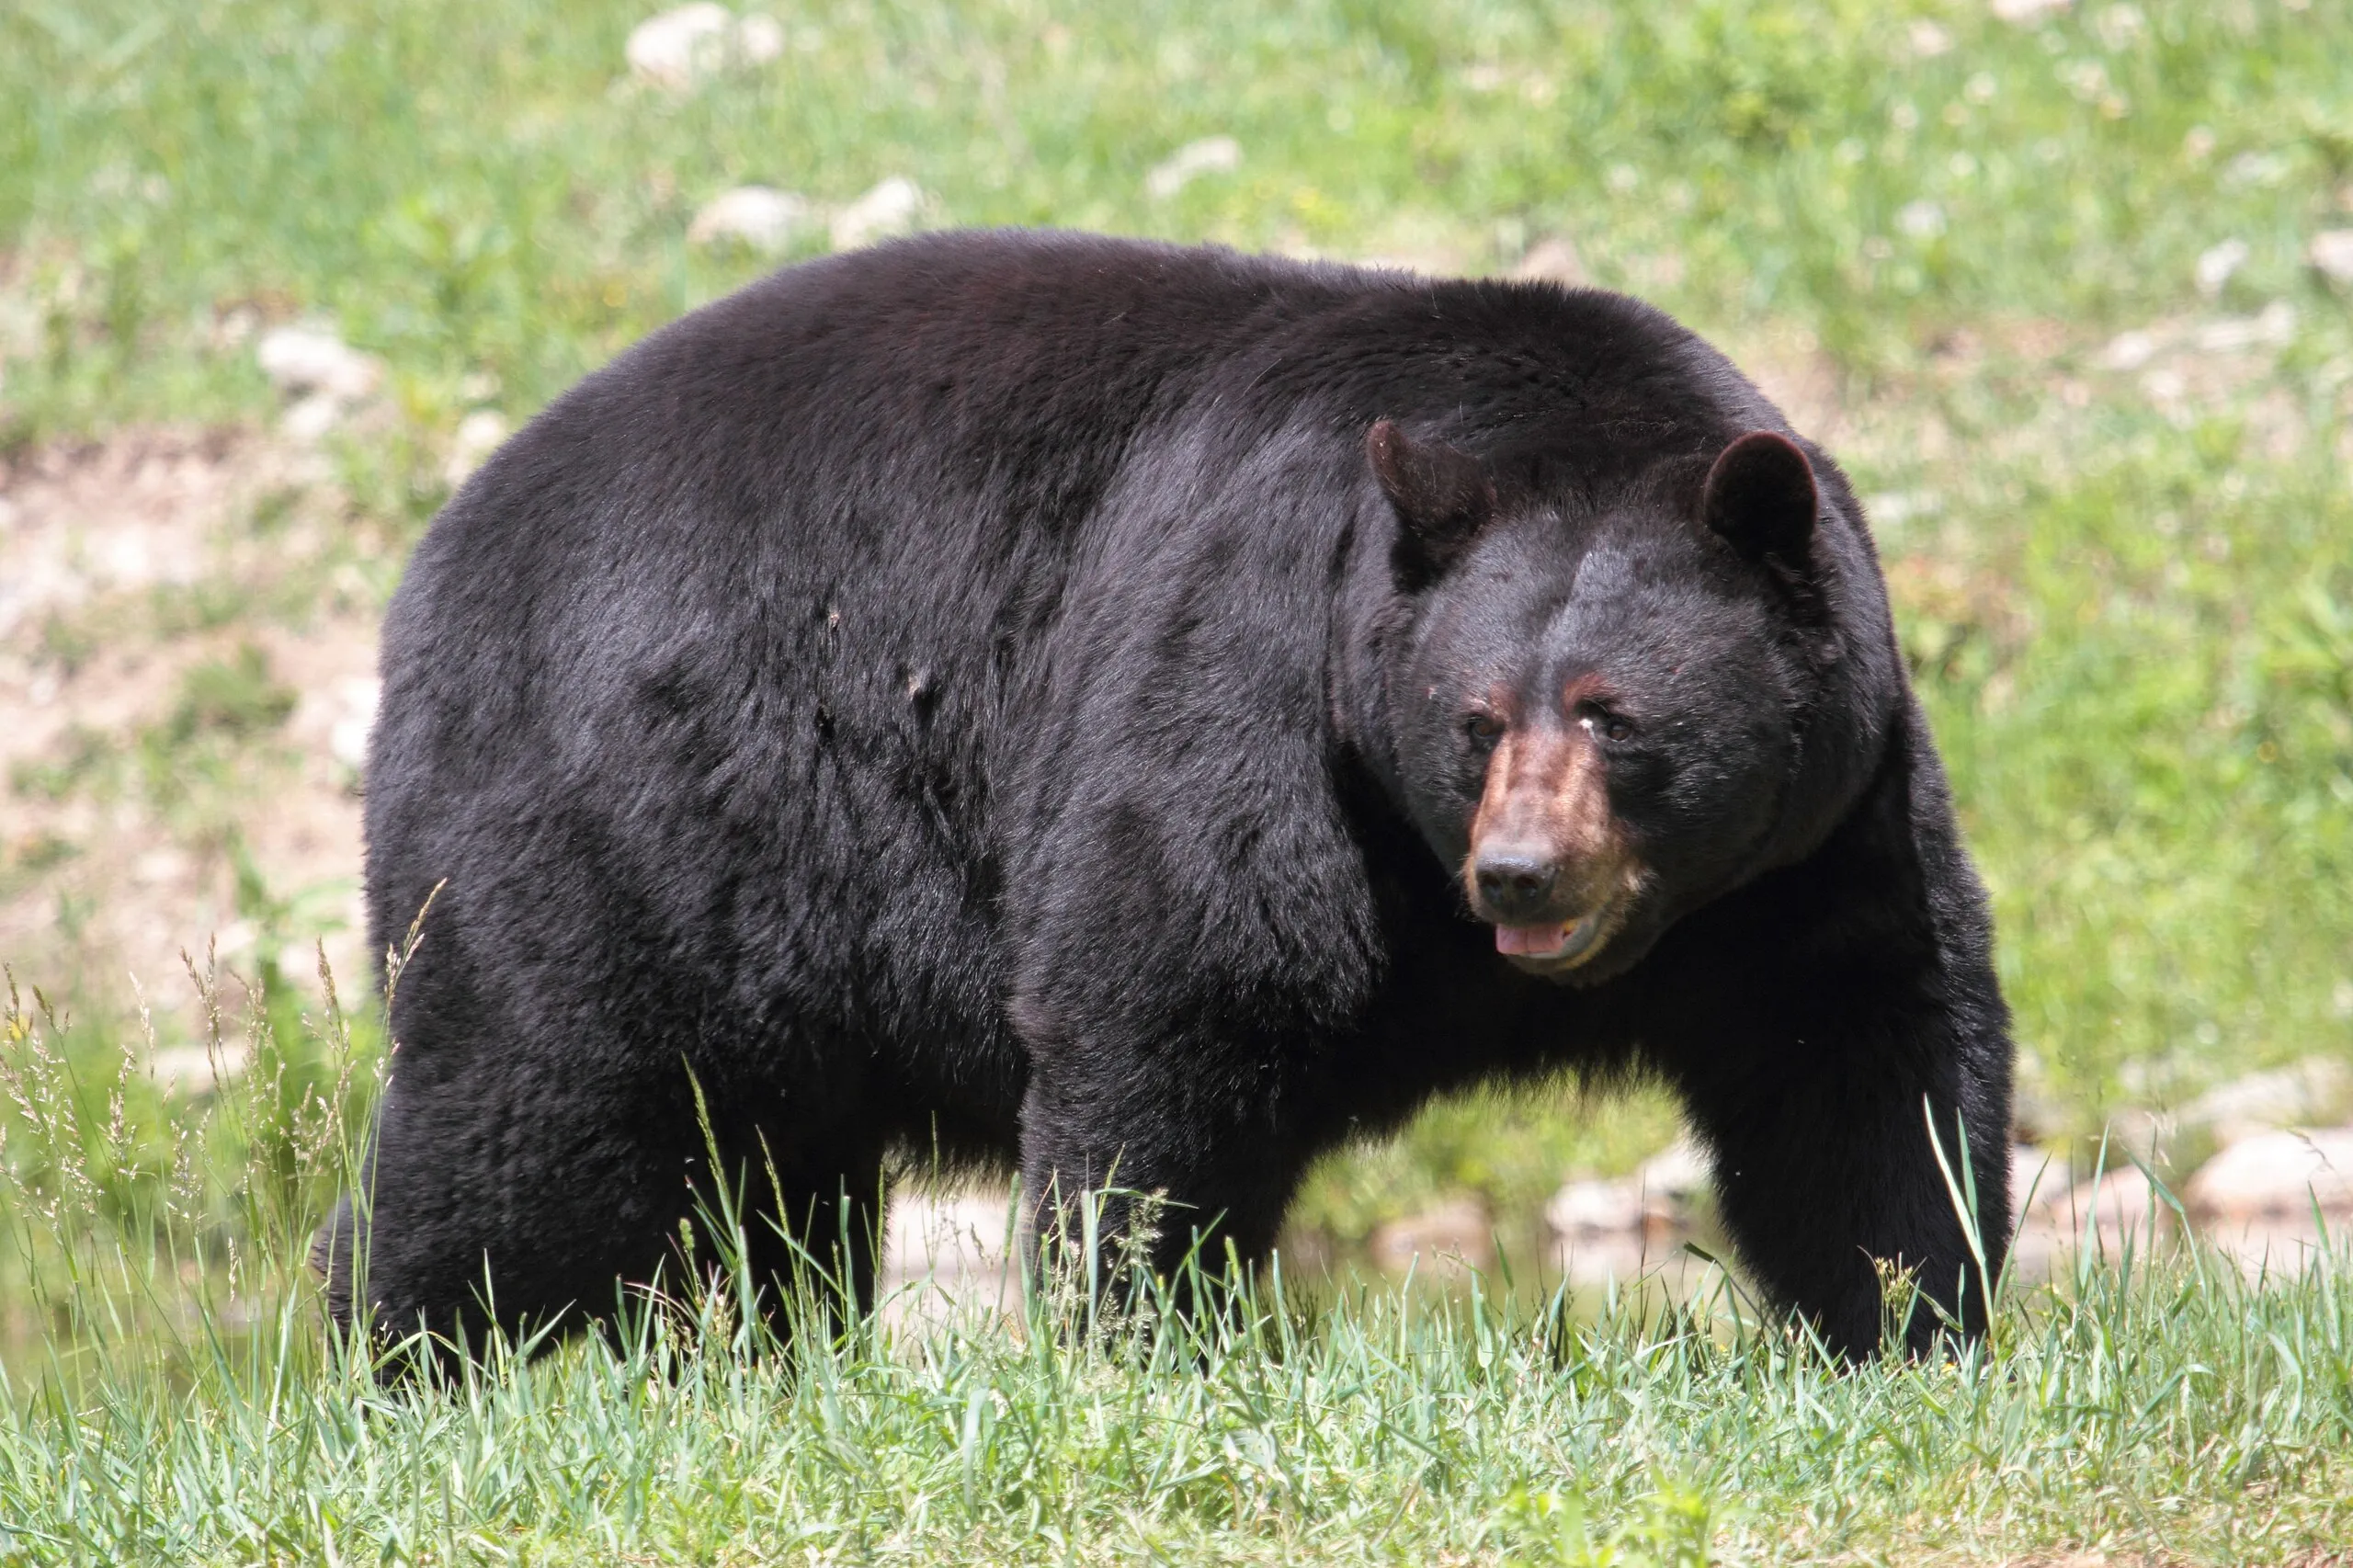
{"type": "Point", "coordinates": [976, 696]}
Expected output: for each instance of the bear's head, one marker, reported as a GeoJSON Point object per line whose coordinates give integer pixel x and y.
{"type": "Point", "coordinates": [1602, 706]}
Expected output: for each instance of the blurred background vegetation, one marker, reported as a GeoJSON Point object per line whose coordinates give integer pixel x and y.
{"type": "Point", "coordinates": [2045, 276]}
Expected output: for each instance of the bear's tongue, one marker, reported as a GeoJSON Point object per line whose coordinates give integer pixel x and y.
{"type": "Point", "coordinates": [1532, 941]}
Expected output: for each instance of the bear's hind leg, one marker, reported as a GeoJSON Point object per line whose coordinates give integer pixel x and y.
{"type": "Point", "coordinates": [811, 1236]}
{"type": "Point", "coordinates": [489, 1200]}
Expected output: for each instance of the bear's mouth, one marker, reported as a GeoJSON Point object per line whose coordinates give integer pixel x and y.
{"type": "Point", "coordinates": [1560, 944]}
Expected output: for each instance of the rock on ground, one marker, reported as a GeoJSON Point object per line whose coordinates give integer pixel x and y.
{"type": "Point", "coordinates": [321, 377]}
{"type": "Point", "coordinates": [352, 717]}
{"type": "Point", "coordinates": [951, 1234]}
{"type": "Point", "coordinates": [891, 208]}
{"type": "Point", "coordinates": [2331, 253]}
{"type": "Point", "coordinates": [1210, 154]}
{"type": "Point", "coordinates": [758, 216]}
{"type": "Point", "coordinates": [1613, 1229]}
{"type": "Point", "coordinates": [1620, 1228]}
{"type": "Point", "coordinates": [680, 47]}
{"type": "Point", "coordinates": [2118, 1213]}
{"type": "Point", "coordinates": [2300, 1094]}
{"type": "Point", "coordinates": [1678, 1173]}
{"type": "Point", "coordinates": [300, 359]}
{"type": "Point", "coordinates": [1596, 1208]}
{"type": "Point", "coordinates": [1657, 1198]}
{"type": "Point", "coordinates": [2268, 1199]}
{"type": "Point", "coordinates": [2218, 263]}
{"type": "Point", "coordinates": [949, 1254]}
{"type": "Point", "coordinates": [1452, 1236]}
{"type": "Point", "coordinates": [479, 434]}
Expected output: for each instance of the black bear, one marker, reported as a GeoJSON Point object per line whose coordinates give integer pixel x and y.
{"type": "Point", "coordinates": [1147, 715]}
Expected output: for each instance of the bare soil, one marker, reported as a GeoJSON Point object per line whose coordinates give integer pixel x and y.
{"type": "Point", "coordinates": [125, 564]}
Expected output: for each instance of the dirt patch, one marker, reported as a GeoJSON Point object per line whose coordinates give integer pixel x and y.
{"type": "Point", "coordinates": [186, 672]}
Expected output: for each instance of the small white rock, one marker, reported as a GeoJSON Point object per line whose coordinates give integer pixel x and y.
{"type": "Point", "coordinates": [233, 328]}
{"type": "Point", "coordinates": [348, 737]}
{"type": "Point", "coordinates": [2276, 1201]}
{"type": "Point", "coordinates": [2166, 386]}
{"type": "Point", "coordinates": [2273, 327]}
{"type": "Point", "coordinates": [2026, 12]}
{"type": "Point", "coordinates": [311, 359]}
{"type": "Point", "coordinates": [2255, 169]}
{"type": "Point", "coordinates": [891, 208]}
{"type": "Point", "coordinates": [2129, 351]}
{"type": "Point", "coordinates": [1595, 1208]}
{"type": "Point", "coordinates": [158, 866]}
{"type": "Point", "coordinates": [1893, 509]}
{"type": "Point", "coordinates": [2277, 1175]}
{"type": "Point", "coordinates": [1210, 154]}
{"type": "Point", "coordinates": [2217, 262]}
{"type": "Point", "coordinates": [1452, 1236]}
{"type": "Point", "coordinates": [758, 39]}
{"type": "Point", "coordinates": [2036, 1176]}
{"type": "Point", "coordinates": [674, 49]}
{"type": "Point", "coordinates": [757, 215]}
{"type": "Point", "coordinates": [2262, 1102]}
{"type": "Point", "coordinates": [2135, 1133]}
{"type": "Point", "coordinates": [312, 418]}
{"type": "Point", "coordinates": [2331, 253]}
{"type": "Point", "coordinates": [2121, 1203]}
{"type": "Point", "coordinates": [478, 435]}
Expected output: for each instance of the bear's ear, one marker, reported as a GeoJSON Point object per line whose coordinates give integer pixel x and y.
{"type": "Point", "coordinates": [1442, 496]}
{"type": "Point", "coordinates": [1760, 497]}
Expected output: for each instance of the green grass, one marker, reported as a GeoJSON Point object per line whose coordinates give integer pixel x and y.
{"type": "Point", "coordinates": [174, 1400]}
{"type": "Point", "coordinates": [2127, 594]}
{"type": "Point", "coordinates": [2176, 1415]}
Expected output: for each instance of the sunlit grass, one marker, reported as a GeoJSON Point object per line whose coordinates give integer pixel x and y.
{"type": "Point", "coordinates": [172, 1396]}
{"type": "Point", "coordinates": [2175, 1412]}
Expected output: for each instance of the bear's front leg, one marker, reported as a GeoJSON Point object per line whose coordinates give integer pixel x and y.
{"type": "Point", "coordinates": [1191, 935]}
{"type": "Point", "coordinates": [1187, 1143]}
{"type": "Point", "coordinates": [1827, 1176]}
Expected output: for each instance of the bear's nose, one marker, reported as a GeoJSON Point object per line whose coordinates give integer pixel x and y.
{"type": "Point", "coordinates": [1516, 884]}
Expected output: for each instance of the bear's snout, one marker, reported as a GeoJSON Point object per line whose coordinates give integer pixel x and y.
{"type": "Point", "coordinates": [1516, 884]}
{"type": "Point", "coordinates": [1548, 867]}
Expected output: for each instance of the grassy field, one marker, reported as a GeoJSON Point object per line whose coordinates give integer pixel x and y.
{"type": "Point", "coordinates": [175, 1401]}
{"type": "Point", "coordinates": [1991, 264]}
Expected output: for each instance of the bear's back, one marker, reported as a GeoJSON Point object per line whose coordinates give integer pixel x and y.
{"type": "Point", "coordinates": [785, 573]}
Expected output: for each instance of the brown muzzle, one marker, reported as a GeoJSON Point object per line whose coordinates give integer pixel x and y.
{"type": "Point", "coordinates": [1550, 866]}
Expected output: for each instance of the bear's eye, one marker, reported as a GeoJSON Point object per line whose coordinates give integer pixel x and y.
{"type": "Point", "coordinates": [1484, 729]}
{"type": "Point", "coordinates": [1608, 725]}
